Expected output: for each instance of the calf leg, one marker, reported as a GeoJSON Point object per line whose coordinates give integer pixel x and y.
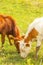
{"type": "Point", "coordinates": [9, 40]}
{"type": "Point", "coordinates": [3, 39]}
{"type": "Point", "coordinates": [38, 47]}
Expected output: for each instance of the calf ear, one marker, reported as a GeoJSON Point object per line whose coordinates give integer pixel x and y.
{"type": "Point", "coordinates": [18, 42]}
{"type": "Point", "coordinates": [11, 37]}
{"type": "Point", "coordinates": [14, 38]}
{"type": "Point", "coordinates": [23, 36]}
{"type": "Point", "coordinates": [27, 45]}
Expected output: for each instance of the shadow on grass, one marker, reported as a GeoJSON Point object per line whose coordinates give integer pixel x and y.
{"type": "Point", "coordinates": [11, 57]}
{"type": "Point", "coordinates": [14, 58]}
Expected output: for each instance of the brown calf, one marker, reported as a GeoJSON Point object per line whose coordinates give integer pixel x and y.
{"type": "Point", "coordinates": [8, 27]}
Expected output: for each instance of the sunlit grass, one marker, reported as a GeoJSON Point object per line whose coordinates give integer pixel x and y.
{"type": "Point", "coordinates": [24, 12]}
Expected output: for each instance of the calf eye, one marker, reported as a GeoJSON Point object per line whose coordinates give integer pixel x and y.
{"type": "Point", "coordinates": [27, 45]}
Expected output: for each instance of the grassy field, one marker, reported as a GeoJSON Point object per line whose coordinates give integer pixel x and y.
{"type": "Point", "coordinates": [24, 12]}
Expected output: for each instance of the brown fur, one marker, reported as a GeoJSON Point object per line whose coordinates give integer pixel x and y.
{"type": "Point", "coordinates": [31, 35]}
{"type": "Point", "coordinates": [27, 45]}
{"type": "Point", "coordinates": [8, 27]}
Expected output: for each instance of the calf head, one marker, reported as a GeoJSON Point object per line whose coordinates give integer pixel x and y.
{"type": "Point", "coordinates": [24, 48]}
{"type": "Point", "coordinates": [17, 42]}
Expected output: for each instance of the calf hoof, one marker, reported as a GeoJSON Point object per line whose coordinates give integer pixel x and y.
{"type": "Point", "coordinates": [11, 44]}
{"type": "Point", "coordinates": [18, 52]}
{"type": "Point", "coordinates": [2, 48]}
{"type": "Point", "coordinates": [36, 57]}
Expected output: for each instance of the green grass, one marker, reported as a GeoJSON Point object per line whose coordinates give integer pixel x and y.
{"type": "Point", "coordinates": [24, 12]}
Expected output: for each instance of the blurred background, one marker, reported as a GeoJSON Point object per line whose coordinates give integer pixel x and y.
{"type": "Point", "coordinates": [23, 11]}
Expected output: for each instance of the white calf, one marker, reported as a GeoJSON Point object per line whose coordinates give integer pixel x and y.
{"type": "Point", "coordinates": [34, 32]}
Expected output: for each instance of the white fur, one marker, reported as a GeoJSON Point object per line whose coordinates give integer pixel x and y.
{"type": "Point", "coordinates": [24, 49]}
{"type": "Point", "coordinates": [38, 25]}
